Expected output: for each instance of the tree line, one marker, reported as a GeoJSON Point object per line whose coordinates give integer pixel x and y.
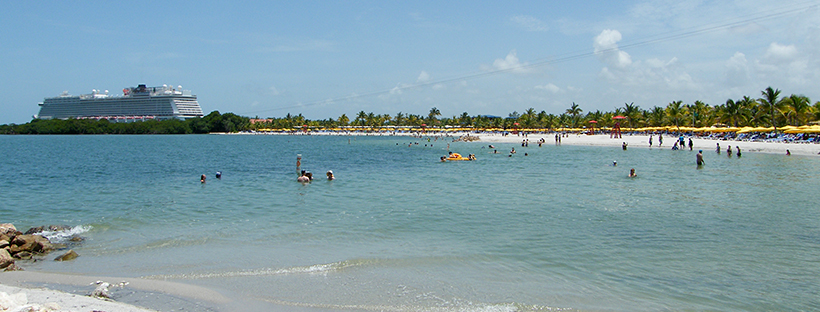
{"type": "Point", "coordinates": [213, 122]}
{"type": "Point", "coordinates": [770, 110]}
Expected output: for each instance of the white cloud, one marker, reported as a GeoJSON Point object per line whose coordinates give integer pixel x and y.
{"type": "Point", "coordinates": [777, 53]}
{"type": "Point", "coordinates": [639, 77]}
{"type": "Point", "coordinates": [549, 87]}
{"type": "Point", "coordinates": [606, 47]}
{"type": "Point", "coordinates": [511, 63]}
{"type": "Point", "coordinates": [737, 70]}
{"type": "Point", "coordinates": [529, 23]}
{"type": "Point", "coordinates": [423, 77]}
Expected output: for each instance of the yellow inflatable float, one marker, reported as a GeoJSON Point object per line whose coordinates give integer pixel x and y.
{"type": "Point", "coordinates": [457, 156]}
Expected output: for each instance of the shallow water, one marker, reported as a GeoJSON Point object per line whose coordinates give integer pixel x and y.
{"type": "Point", "coordinates": [398, 230]}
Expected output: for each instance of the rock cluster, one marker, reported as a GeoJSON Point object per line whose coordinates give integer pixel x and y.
{"type": "Point", "coordinates": [16, 245]}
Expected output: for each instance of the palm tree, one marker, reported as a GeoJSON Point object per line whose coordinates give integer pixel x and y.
{"type": "Point", "coordinates": [769, 101]}
{"type": "Point", "coordinates": [574, 111]}
{"type": "Point", "coordinates": [432, 115]}
{"type": "Point", "coordinates": [674, 111]}
{"type": "Point", "coordinates": [343, 120]}
{"type": "Point", "coordinates": [798, 106]}
{"type": "Point", "coordinates": [632, 112]}
{"type": "Point", "coordinates": [529, 117]}
{"type": "Point", "coordinates": [733, 112]}
{"type": "Point", "coordinates": [399, 119]}
{"type": "Point", "coordinates": [361, 118]}
{"type": "Point", "coordinates": [698, 110]}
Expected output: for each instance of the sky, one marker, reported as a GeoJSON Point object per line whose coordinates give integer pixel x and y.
{"type": "Point", "coordinates": [323, 59]}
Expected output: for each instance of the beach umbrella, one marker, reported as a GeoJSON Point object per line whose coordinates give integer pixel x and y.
{"type": "Point", "coordinates": [619, 117]}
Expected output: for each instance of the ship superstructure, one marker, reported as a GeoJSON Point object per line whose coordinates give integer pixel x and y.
{"type": "Point", "coordinates": [135, 104]}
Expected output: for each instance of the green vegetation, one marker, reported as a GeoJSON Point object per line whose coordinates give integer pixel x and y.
{"type": "Point", "coordinates": [213, 122]}
{"type": "Point", "coordinates": [769, 110]}
{"type": "Point", "coordinates": [793, 110]}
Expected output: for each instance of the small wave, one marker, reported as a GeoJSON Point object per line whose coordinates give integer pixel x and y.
{"type": "Point", "coordinates": [501, 307]}
{"type": "Point", "coordinates": [63, 236]}
{"type": "Point", "coordinates": [309, 269]}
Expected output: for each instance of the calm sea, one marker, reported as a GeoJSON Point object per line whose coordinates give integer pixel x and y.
{"type": "Point", "coordinates": [400, 231]}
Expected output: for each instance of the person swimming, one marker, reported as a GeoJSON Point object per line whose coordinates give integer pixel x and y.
{"type": "Point", "coordinates": [303, 177]}
{"type": "Point", "coordinates": [202, 179]}
{"type": "Point", "coordinates": [219, 174]}
{"type": "Point", "coordinates": [330, 175]}
{"type": "Point", "coordinates": [632, 173]}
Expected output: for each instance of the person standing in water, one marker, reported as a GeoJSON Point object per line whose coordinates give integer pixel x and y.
{"type": "Point", "coordinates": [699, 158]}
{"type": "Point", "coordinates": [632, 173]}
{"type": "Point", "coordinates": [737, 149]}
{"type": "Point", "coordinates": [202, 179]}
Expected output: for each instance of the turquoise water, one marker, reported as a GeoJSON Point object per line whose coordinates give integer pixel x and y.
{"type": "Point", "coordinates": [400, 231]}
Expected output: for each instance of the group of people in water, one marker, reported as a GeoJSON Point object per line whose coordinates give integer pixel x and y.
{"type": "Point", "coordinates": [218, 176]}
{"type": "Point", "coordinates": [307, 176]}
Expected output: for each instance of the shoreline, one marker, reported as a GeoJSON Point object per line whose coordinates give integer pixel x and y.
{"type": "Point", "coordinates": [632, 140]}
{"type": "Point", "coordinates": [642, 141]}
{"type": "Point", "coordinates": [71, 293]}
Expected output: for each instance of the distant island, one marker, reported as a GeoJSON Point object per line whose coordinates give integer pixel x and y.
{"type": "Point", "coordinates": [770, 111]}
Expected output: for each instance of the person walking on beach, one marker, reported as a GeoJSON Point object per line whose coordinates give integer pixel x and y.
{"type": "Point", "coordinates": [718, 148]}
{"type": "Point", "coordinates": [699, 158]}
{"type": "Point", "coordinates": [660, 139]}
{"type": "Point", "coordinates": [650, 140]}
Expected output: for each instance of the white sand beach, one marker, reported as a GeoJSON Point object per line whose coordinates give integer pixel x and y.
{"type": "Point", "coordinates": [22, 293]}
{"type": "Point", "coordinates": [642, 141]}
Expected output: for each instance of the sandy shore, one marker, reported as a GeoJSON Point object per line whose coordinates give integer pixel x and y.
{"type": "Point", "coordinates": [139, 295]}
{"type": "Point", "coordinates": [633, 141]}
{"type": "Point", "coordinates": [642, 141]}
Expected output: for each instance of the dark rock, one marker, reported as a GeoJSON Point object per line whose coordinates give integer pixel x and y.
{"type": "Point", "coordinates": [37, 229]}
{"type": "Point", "coordinates": [70, 255]}
{"type": "Point", "coordinates": [13, 267]}
{"type": "Point", "coordinates": [23, 255]}
{"type": "Point", "coordinates": [76, 239]}
{"type": "Point", "coordinates": [42, 244]}
{"type": "Point", "coordinates": [57, 228]}
{"type": "Point", "coordinates": [4, 243]}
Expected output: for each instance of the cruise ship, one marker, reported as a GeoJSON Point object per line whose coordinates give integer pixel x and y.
{"type": "Point", "coordinates": [135, 104]}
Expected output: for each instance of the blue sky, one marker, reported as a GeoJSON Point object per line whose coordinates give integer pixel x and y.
{"type": "Point", "coordinates": [327, 58]}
